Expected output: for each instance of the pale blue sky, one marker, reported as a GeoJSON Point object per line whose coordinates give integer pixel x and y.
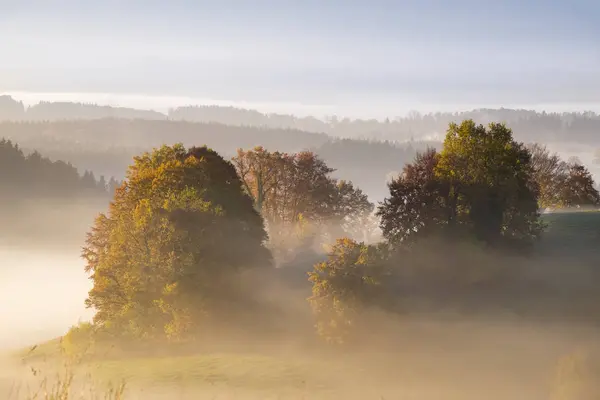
{"type": "Point", "coordinates": [368, 54]}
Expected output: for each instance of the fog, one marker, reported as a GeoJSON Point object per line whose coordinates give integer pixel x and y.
{"type": "Point", "coordinates": [43, 294]}
{"type": "Point", "coordinates": [492, 326]}
{"type": "Point", "coordinates": [499, 344]}
{"type": "Point", "coordinates": [42, 280]}
{"type": "Point", "coordinates": [364, 86]}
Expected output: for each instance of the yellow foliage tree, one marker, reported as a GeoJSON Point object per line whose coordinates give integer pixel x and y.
{"type": "Point", "coordinates": [163, 256]}
{"type": "Point", "coordinates": [344, 286]}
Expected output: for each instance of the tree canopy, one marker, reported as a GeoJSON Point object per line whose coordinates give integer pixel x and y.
{"type": "Point", "coordinates": [579, 188]}
{"type": "Point", "coordinates": [296, 192]}
{"type": "Point", "coordinates": [481, 184]}
{"type": "Point", "coordinates": [562, 183]}
{"type": "Point", "coordinates": [33, 175]}
{"type": "Point", "coordinates": [343, 286]}
{"type": "Point", "coordinates": [165, 255]}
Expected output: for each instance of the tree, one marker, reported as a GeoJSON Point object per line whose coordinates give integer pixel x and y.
{"type": "Point", "coordinates": [176, 233]}
{"type": "Point", "coordinates": [285, 187]}
{"type": "Point", "coordinates": [32, 175]}
{"type": "Point", "coordinates": [579, 188]}
{"type": "Point", "coordinates": [88, 181]}
{"type": "Point", "coordinates": [346, 285]}
{"type": "Point", "coordinates": [481, 184]}
{"type": "Point", "coordinates": [112, 186]}
{"type": "Point", "coordinates": [351, 212]}
{"type": "Point", "coordinates": [297, 196]}
{"type": "Point", "coordinates": [102, 185]}
{"type": "Point", "coordinates": [418, 201]}
{"type": "Point", "coordinates": [492, 184]}
{"type": "Point", "coordinates": [550, 173]}
{"type": "Point", "coordinates": [261, 172]}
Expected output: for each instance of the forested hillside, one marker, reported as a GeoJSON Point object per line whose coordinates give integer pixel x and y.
{"type": "Point", "coordinates": [529, 125]}
{"type": "Point", "coordinates": [106, 146]}
{"type": "Point", "coordinates": [12, 110]}
{"type": "Point", "coordinates": [37, 196]}
{"type": "Point", "coordinates": [35, 176]}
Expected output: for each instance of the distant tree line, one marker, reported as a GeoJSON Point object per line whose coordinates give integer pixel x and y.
{"type": "Point", "coordinates": [12, 110]}
{"type": "Point", "coordinates": [106, 146]}
{"type": "Point", "coordinates": [532, 126]}
{"type": "Point", "coordinates": [30, 176]}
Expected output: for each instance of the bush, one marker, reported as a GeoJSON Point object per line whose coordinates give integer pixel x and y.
{"type": "Point", "coordinates": [79, 340]}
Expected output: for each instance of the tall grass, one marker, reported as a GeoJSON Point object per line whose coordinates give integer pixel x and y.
{"type": "Point", "coordinates": [63, 386]}
{"type": "Point", "coordinates": [63, 383]}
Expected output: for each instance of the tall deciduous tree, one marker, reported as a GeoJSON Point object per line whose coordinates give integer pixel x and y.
{"type": "Point", "coordinates": [550, 173]}
{"type": "Point", "coordinates": [296, 192]}
{"type": "Point", "coordinates": [418, 201]}
{"type": "Point", "coordinates": [163, 257]}
{"type": "Point", "coordinates": [350, 212]}
{"type": "Point", "coordinates": [491, 183]}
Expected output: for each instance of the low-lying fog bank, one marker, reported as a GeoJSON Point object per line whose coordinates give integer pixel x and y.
{"type": "Point", "coordinates": [41, 294]}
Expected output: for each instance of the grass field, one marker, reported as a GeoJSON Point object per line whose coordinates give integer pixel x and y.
{"type": "Point", "coordinates": [571, 234]}
{"type": "Point", "coordinates": [211, 376]}
{"type": "Point", "coordinates": [490, 359]}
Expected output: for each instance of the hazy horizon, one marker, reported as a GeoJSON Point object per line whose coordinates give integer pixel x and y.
{"type": "Point", "coordinates": [355, 58]}
{"type": "Point", "coordinates": [354, 111]}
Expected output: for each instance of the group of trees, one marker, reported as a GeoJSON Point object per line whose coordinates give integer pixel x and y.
{"type": "Point", "coordinates": [30, 176]}
{"type": "Point", "coordinates": [166, 259]}
{"type": "Point", "coordinates": [186, 222]}
{"type": "Point", "coordinates": [38, 195]}
{"type": "Point", "coordinates": [298, 198]}
{"type": "Point", "coordinates": [562, 183]}
{"type": "Point", "coordinates": [481, 190]}
{"type": "Point", "coordinates": [106, 146]}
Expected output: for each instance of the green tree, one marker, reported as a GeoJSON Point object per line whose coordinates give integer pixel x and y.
{"type": "Point", "coordinates": [345, 286]}
{"type": "Point", "coordinates": [492, 184]}
{"type": "Point", "coordinates": [166, 254]}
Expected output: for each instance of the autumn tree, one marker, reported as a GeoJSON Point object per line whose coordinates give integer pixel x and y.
{"type": "Point", "coordinates": [418, 202]}
{"type": "Point", "coordinates": [164, 257]}
{"type": "Point", "coordinates": [551, 174]}
{"type": "Point", "coordinates": [579, 188]}
{"type": "Point", "coordinates": [296, 194]}
{"type": "Point", "coordinates": [345, 286]}
{"type": "Point", "coordinates": [480, 184]}
{"type": "Point", "coordinates": [261, 172]}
